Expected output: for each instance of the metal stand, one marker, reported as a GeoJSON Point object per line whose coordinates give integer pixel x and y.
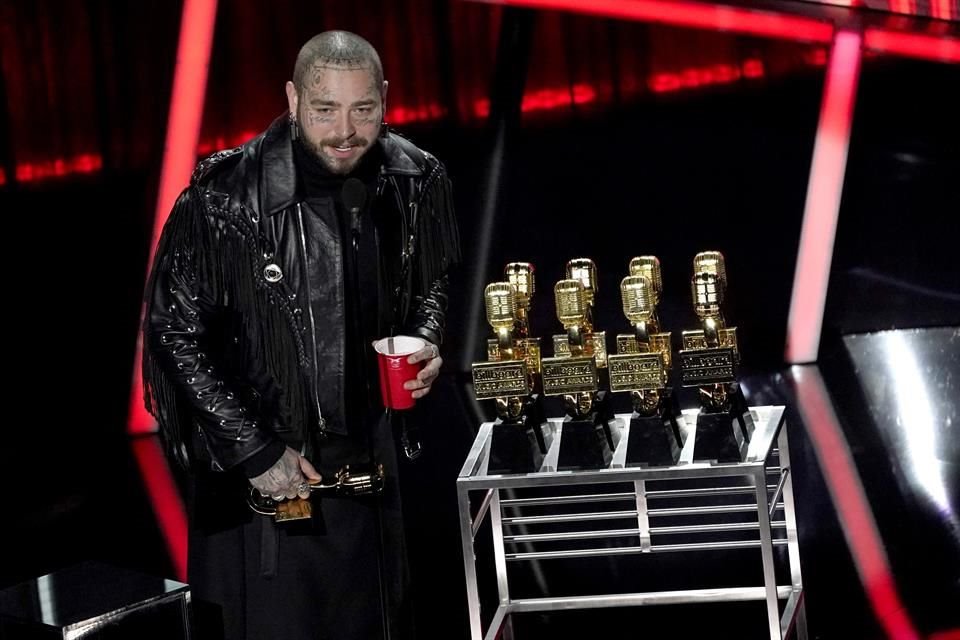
{"type": "Point", "coordinates": [710, 493]}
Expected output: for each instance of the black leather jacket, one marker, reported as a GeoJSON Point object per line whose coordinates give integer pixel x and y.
{"type": "Point", "coordinates": [230, 359]}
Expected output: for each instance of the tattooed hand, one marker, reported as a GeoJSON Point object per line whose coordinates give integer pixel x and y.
{"type": "Point", "coordinates": [285, 479]}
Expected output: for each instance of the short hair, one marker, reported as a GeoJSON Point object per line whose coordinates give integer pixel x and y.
{"type": "Point", "coordinates": [337, 49]}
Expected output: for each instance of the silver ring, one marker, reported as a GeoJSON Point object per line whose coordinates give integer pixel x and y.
{"type": "Point", "coordinates": [303, 486]}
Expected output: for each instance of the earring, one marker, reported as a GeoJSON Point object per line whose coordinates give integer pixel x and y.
{"type": "Point", "coordinates": [294, 128]}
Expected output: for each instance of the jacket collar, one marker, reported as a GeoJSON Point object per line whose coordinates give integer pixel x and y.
{"type": "Point", "coordinates": [278, 175]}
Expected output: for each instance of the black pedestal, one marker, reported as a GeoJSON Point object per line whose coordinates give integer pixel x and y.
{"type": "Point", "coordinates": [518, 446]}
{"type": "Point", "coordinates": [652, 441]}
{"type": "Point", "coordinates": [656, 440]}
{"type": "Point", "coordinates": [588, 442]}
{"type": "Point", "coordinates": [724, 436]}
{"type": "Point", "coordinates": [719, 438]}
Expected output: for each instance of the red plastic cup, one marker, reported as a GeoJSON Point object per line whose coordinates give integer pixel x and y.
{"type": "Point", "coordinates": [392, 354]}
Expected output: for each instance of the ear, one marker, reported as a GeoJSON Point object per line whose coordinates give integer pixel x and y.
{"type": "Point", "coordinates": [383, 98]}
{"type": "Point", "coordinates": [293, 100]}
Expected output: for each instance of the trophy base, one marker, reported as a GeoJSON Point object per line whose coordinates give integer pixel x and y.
{"type": "Point", "coordinates": [588, 442]}
{"type": "Point", "coordinates": [656, 440]}
{"type": "Point", "coordinates": [722, 436]}
{"type": "Point", "coordinates": [516, 447]}
{"type": "Point", "coordinates": [652, 441]}
{"type": "Point", "coordinates": [583, 445]}
{"type": "Point", "coordinates": [519, 446]}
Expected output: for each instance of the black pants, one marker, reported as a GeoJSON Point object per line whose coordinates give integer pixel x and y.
{"type": "Point", "coordinates": [304, 580]}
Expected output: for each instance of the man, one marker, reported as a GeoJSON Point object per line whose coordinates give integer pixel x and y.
{"type": "Point", "coordinates": [266, 295]}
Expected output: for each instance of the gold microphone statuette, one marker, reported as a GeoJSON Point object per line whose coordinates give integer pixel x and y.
{"type": "Point", "coordinates": [500, 300]}
{"type": "Point", "coordinates": [642, 363]}
{"type": "Point", "coordinates": [709, 361]}
{"type": "Point", "coordinates": [348, 482]}
{"type": "Point", "coordinates": [574, 372]}
{"type": "Point", "coordinates": [510, 376]}
{"type": "Point", "coordinates": [573, 368]}
{"type": "Point", "coordinates": [593, 342]}
{"type": "Point", "coordinates": [642, 368]}
{"type": "Point", "coordinates": [504, 375]}
{"type": "Point", "coordinates": [520, 275]}
{"type": "Point", "coordinates": [649, 267]}
{"type": "Point", "coordinates": [573, 313]}
{"type": "Point", "coordinates": [710, 355]}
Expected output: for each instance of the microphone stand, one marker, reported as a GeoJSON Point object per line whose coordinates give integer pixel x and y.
{"type": "Point", "coordinates": [355, 227]}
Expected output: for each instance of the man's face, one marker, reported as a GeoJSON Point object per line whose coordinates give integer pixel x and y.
{"type": "Point", "coordinates": [339, 111]}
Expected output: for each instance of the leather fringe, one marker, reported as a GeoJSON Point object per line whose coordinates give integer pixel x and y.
{"type": "Point", "coordinates": [212, 251]}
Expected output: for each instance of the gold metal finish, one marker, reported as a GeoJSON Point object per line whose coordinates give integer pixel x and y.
{"type": "Point", "coordinates": [512, 370]}
{"type": "Point", "coordinates": [710, 355]}
{"type": "Point", "coordinates": [649, 267]}
{"type": "Point", "coordinates": [642, 364]}
{"type": "Point", "coordinates": [569, 375]}
{"type": "Point", "coordinates": [584, 270]}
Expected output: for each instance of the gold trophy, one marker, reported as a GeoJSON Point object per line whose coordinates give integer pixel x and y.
{"type": "Point", "coordinates": [587, 440]}
{"type": "Point", "coordinates": [642, 368]}
{"type": "Point", "coordinates": [511, 375]}
{"type": "Point", "coordinates": [355, 482]}
{"type": "Point", "coordinates": [709, 361]}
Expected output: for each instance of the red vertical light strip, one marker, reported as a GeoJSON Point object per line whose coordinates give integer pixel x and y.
{"type": "Point", "coordinates": [937, 9]}
{"type": "Point", "coordinates": [822, 206]}
{"type": "Point", "coordinates": [950, 10]}
{"type": "Point", "coordinates": [179, 153]}
{"type": "Point", "coordinates": [900, 6]}
{"type": "Point", "coordinates": [163, 494]}
{"type": "Point", "coordinates": [850, 502]}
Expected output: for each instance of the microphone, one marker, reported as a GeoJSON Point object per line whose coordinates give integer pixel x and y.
{"type": "Point", "coordinates": [713, 262]}
{"type": "Point", "coordinates": [637, 295]}
{"type": "Point", "coordinates": [707, 294]}
{"type": "Point", "coordinates": [501, 303]}
{"type": "Point", "coordinates": [572, 309]}
{"type": "Point", "coordinates": [354, 195]}
{"type": "Point", "coordinates": [584, 270]}
{"type": "Point", "coordinates": [520, 275]}
{"type": "Point", "coordinates": [648, 266]}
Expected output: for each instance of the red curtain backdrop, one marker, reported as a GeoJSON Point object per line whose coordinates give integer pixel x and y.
{"type": "Point", "coordinates": [86, 84]}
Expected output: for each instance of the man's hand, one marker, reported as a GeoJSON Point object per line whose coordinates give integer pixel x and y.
{"type": "Point", "coordinates": [424, 380]}
{"type": "Point", "coordinates": [287, 477]}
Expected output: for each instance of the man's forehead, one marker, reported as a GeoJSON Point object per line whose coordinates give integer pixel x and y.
{"type": "Point", "coordinates": [326, 71]}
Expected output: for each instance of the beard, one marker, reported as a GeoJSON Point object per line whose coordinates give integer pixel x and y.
{"type": "Point", "coordinates": [338, 166]}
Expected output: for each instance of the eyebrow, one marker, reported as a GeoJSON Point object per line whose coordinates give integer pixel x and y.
{"type": "Point", "coordinates": [331, 103]}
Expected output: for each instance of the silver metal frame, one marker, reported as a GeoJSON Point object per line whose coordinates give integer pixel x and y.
{"type": "Point", "coordinates": [767, 461]}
